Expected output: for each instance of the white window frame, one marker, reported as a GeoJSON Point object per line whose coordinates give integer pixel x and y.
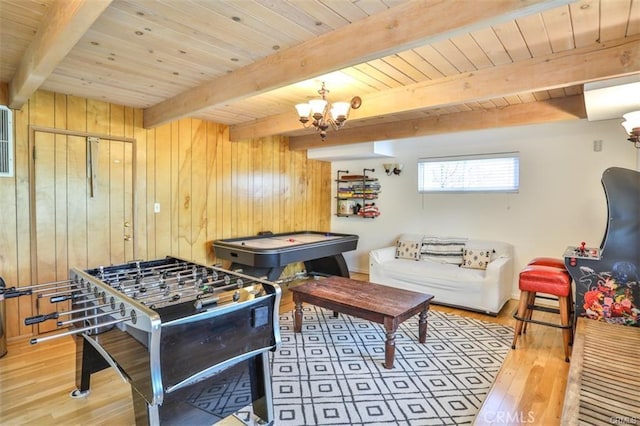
{"type": "Point", "coordinates": [6, 142]}
{"type": "Point", "coordinates": [469, 179]}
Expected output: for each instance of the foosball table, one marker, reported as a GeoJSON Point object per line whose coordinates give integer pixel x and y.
{"type": "Point", "coordinates": [192, 340]}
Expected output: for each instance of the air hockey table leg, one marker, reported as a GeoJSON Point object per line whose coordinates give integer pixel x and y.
{"type": "Point", "coordinates": [330, 265]}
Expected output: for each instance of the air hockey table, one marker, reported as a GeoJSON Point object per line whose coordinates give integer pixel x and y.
{"type": "Point", "coordinates": [268, 254]}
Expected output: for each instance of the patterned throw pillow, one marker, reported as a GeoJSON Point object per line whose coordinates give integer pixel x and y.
{"type": "Point", "coordinates": [408, 250]}
{"type": "Point", "coordinates": [443, 250]}
{"type": "Point", "coordinates": [476, 258]}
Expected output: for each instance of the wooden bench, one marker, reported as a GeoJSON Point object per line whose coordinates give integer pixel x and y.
{"type": "Point", "coordinates": [602, 387]}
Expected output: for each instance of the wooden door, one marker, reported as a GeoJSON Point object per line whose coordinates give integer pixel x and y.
{"type": "Point", "coordinates": [82, 208]}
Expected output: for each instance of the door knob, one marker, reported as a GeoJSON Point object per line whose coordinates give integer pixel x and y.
{"type": "Point", "coordinates": [127, 237]}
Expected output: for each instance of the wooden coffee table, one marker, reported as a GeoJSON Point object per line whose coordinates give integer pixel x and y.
{"type": "Point", "coordinates": [378, 303]}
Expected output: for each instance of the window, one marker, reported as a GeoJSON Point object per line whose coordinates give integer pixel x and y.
{"type": "Point", "coordinates": [6, 142]}
{"type": "Point", "coordinates": [471, 173]}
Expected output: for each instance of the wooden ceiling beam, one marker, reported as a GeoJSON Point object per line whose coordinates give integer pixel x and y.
{"type": "Point", "coordinates": [399, 28]}
{"type": "Point", "coordinates": [4, 94]}
{"type": "Point", "coordinates": [569, 68]}
{"type": "Point", "coordinates": [569, 108]}
{"type": "Point", "coordinates": [63, 26]}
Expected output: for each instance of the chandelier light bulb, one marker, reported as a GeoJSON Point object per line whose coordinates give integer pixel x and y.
{"type": "Point", "coordinates": [317, 106]}
{"type": "Point", "coordinates": [632, 121]}
{"type": "Point", "coordinates": [632, 127]}
{"type": "Point", "coordinates": [303, 112]}
{"type": "Point", "coordinates": [340, 110]}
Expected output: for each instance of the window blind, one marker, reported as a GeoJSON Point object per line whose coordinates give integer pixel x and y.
{"type": "Point", "coordinates": [498, 172]}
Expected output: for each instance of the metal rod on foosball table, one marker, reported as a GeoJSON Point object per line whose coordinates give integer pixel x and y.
{"type": "Point", "coordinates": [52, 287]}
{"type": "Point", "coordinates": [77, 331]}
{"type": "Point", "coordinates": [37, 319]}
{"type": "Point", "coordinates": [158, 299]}
{"type": "Point", "coordinates": [239, 283]}
{"type": "Point", "coordinates": [202, 298]}
{"type": "Point", "coordinates": [154, 289]}
{"type": "Point", "coordinates": [80, 319]}
{"type": "Point", "coordinates": [151, 270]}
{"type": "Point", "coordinates": [136, 284]}
{"type": "Point", "coordinates": [161, 301]}
{"type": "Point", "coordinates": [150, 297]}
{"type": "Point", "coordinates": [75, 311]}
{"type": "Point", "coordinates": [206, 301]}
{"type": "Point", "coordinates": [62, 298]}
{"type": "Point", "coordinates": [56, 293]}
{"type": "Point", "coordinates": [199, 303]}
{"type": "Point", "coordinates": [11, 292]}
{"type": "Point", "coordinates": [190, 273]}
{"type": "Point", "coordinates": [49, 284]}
{"type": "Point", "coordinates": [127, 285]}
{"type": "Point", "coordinates": [229, 285]}
{"type": "Point", "coordinates": [128, 279]}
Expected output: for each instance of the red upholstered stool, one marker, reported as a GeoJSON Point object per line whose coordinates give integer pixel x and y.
{"type": "Point", "coordinates": [549, 280]}
{"type": "Point", "coordinates": [556, 263]}
{"type": "Point", "coordinates": [548, 261]}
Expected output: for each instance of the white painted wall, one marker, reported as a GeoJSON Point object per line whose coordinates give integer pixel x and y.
{"type": "Point", "coordinates": [560, 203]}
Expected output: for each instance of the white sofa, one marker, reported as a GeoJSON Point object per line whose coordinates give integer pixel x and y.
{"type": "Point", "coordinates": [451, 284]}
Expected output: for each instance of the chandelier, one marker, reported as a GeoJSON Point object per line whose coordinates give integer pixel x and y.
{"type": "Point", "coordinates": [632, 126]}
{"type": "Point", "coordinates": [323, 115]}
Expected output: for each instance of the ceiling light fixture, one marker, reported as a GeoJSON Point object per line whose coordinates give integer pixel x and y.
{"type": "Point", "coordinates": [632, 126]}
{"type": "Point", "coordinates": [324, 114]}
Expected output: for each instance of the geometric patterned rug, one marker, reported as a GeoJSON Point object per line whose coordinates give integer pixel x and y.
{"type": "Point", "coordinates": [332, 373]}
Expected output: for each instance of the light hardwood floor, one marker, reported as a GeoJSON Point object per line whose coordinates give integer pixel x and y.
{"type": "Point", "coordinates": [35, 381]}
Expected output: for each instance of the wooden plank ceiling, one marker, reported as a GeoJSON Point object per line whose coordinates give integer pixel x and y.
{"type": "Point", "coordinates": [420, 66]}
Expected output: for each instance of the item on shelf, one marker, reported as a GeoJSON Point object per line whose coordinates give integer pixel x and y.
{"type": "Point", "coordinates": [346, 206]}
{"type": "Point", "coordinates": [369, 210]}
{"type": "Point", "coordinates": [353, 177]}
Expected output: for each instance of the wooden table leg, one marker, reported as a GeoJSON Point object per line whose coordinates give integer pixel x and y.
{"type": "Point", "coordinates": [297, 315]}
{"type": "Point", "coordinates": [422, 325]}
{"type": "Point", "coordinates": [390, 326]}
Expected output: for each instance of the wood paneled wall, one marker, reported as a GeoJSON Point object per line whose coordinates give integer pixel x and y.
{"type": "Point", "coordinates": [207, 187]}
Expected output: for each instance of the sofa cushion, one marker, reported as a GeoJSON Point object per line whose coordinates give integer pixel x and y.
{"type": "Point", "coordinates": [476, 258]}
{"type": "Point", "coordinates": [443, 249]}
{"type": "Point", "coordinates": [433, 273]}
{"type": "Point", "coordinates": [406, 249]}
{"type": "Point", "coordinates": [498, 249]}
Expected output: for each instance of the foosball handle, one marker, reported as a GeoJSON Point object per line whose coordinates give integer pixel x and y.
{"type": "Point", "coordinates": [16, 293]}
{"type": "Point", "coordinates": [40, 318]}
{"type": "Point", "coordinates": [65, 297]}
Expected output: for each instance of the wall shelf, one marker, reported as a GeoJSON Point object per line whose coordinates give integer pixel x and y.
{"type": "Point", "coordinates": [356, 194]}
